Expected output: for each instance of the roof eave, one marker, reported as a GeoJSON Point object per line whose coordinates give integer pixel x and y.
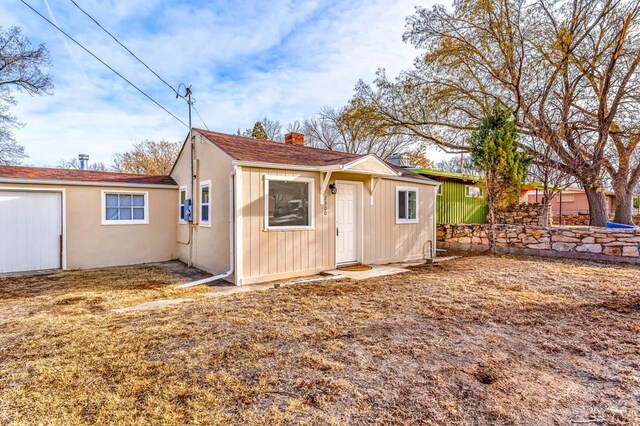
{"type": "Point", "coordinates": [331, 168]}
{"type": "Point", "coordinates": [85, 183]}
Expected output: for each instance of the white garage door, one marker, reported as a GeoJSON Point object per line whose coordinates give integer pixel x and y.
{"type": "Point", "coordinates": [30, 230]}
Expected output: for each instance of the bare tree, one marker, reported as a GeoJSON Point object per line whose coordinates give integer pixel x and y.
{"type": "Point", "coordinates": [272, 128]}
{"type": "Point", "coordinates": [11, 152]}
{"type": "Point", "coordinates": [148, 157]}
{"type": "Point", "coordinates": [353, 129]}
{"type": "Point", "coordinates": [460, 163]}
{"type": "Point", "coordinates": [544, 59]}
{"type": "Point", "coordinates": [21, 68]}
{"type": "Point", "coordinates": [543, 170]}
{"type": "Point", "coordinates": [74, 164]}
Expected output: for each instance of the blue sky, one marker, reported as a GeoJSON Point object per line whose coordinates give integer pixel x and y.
{"type": "Point", "coordinates": [245, 60]}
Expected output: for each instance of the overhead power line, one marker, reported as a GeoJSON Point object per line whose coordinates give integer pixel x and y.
{"type": "Point", "coordinates": [176, 91]}
{"type": "Point", "coordinates": [200, 117]}
{"type": "Point", "coordinates": [104, 63]}
{"type": "Point", "coordinates": [123, 46]}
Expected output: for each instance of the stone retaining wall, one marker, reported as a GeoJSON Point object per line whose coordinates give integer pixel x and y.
{"type": "Point", "coordinates": [572, 219]}
{"type": "Point", "coordinates": [582, 219]}
{"type": "Point", "coordinates": [523, 214]}
{"type": "Point", "coordinates": [563, 241]}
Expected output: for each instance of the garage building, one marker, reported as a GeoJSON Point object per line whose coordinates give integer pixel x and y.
{"type": "Point", "coordinates": [75, 219]}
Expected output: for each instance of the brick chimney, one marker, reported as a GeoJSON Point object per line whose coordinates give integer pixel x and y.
{"type": "Point", "coordinates": [294, 138]}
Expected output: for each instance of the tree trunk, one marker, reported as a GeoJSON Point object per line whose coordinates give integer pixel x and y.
{"type": "Point", "coordinates": [623, 203]}
{"type": "Point", "coordinates": [597, 206]}
{"type": "Point", "coordinates": [547, 214]}
{"type": "Point", "coordinates": [492, 224]}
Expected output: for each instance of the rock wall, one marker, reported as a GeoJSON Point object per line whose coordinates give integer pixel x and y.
{"type": "Point", "coordinates": [572, 219]}
{"type": "Point", "coordinates": [572, 242]}
{"type": "Point", "coordinates": [582, 219]}
{"type": "Point", "coordinates": [524, 214]}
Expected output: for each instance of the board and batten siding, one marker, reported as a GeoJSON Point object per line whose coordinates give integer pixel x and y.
{"type": "Point", "coordinates": [278, 254]}
{"type": "Point", "coordinates": [454, 207]}
{"type": "Point", "coordinates": [387, 241]}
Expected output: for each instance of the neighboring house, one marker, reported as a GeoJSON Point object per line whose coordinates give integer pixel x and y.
{"type": "Point", "coordinates": [460, 197]}
{"type": "Point", "coordinates": [569, 202]}
{"type": "Point", "coordinates": [261, 211]}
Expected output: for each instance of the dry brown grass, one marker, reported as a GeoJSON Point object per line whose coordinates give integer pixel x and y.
{"type": "Point", "coordinates": [479, 340]}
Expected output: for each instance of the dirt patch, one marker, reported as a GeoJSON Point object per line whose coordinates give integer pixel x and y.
{"type": "Point", "coordinates": [485, 340]}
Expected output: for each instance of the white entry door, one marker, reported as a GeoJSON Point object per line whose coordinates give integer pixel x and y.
{"type": "Point", "coordinates": [347, 223]}
{"type": "Point", "coordinates": [30, 230]}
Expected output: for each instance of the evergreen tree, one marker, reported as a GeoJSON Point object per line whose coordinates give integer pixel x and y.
{"type": "Point", "coordinates": [495, 152]}
{"type": "Point", "coordinates": [258, 131]}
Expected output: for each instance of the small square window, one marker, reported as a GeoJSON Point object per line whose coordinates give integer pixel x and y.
{"type": "Point", "coordinates": [124, 208]}
{"type": "Point", "coordinates": [289, 203]}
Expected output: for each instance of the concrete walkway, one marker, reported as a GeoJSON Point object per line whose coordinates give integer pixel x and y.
{"type": "Point", "coordinates": [226, 291]}
{"type": "Point", "coordinates": [375, 271]}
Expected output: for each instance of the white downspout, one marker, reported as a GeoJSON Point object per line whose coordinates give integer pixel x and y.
{"type": "Point", "coordinates": [231, 239]}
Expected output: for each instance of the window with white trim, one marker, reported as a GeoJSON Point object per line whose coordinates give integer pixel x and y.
{"type": "Point", "coordinates": [288, 202]}
{"type": "Point", "coordinates": [181, 202]}
{"type": "Point", "coordinates": [472, 191]}
{"type": "Point", "coordinates": [205, 194]}
{"type": "Point", "coordinates": [406, 204]}
{"type": "Point", "coordinates": [125, 208]}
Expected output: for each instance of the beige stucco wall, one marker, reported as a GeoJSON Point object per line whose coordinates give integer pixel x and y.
{"type": "Point", "coordinates": [208, 247]}
{"type": "Point", "coordinates": [269, 255]}
{"type": "Point", "coordinates": [90, 244]}
{"type": "Point", "coordinates": [572, 202]}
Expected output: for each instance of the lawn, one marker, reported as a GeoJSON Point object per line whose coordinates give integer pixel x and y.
{"type": "Point", "coordinates": [477, 340]}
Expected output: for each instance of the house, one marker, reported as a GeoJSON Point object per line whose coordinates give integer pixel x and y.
{"type": "Point", "coordinates": [297, 210]}
{"type": "Point", "coordinates": [460, 197]}
{"type": "Point", "coordinates": [243, 209]}
{"type": "Point", "coordinates": [569, 202]}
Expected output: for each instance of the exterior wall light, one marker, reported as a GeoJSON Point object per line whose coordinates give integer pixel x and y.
{"type": "Point", "coordinates": [333, 188]}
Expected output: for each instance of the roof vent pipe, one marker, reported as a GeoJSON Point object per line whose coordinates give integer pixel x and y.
{"type": "Point", "coordinates": [84, 161]}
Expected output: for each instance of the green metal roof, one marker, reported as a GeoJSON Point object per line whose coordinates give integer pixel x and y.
{"type": "Point", "coordinates": [449, 175]}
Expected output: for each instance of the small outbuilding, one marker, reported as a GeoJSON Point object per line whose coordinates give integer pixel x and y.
{"type": "Point", "coordinates": [461, 198]}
